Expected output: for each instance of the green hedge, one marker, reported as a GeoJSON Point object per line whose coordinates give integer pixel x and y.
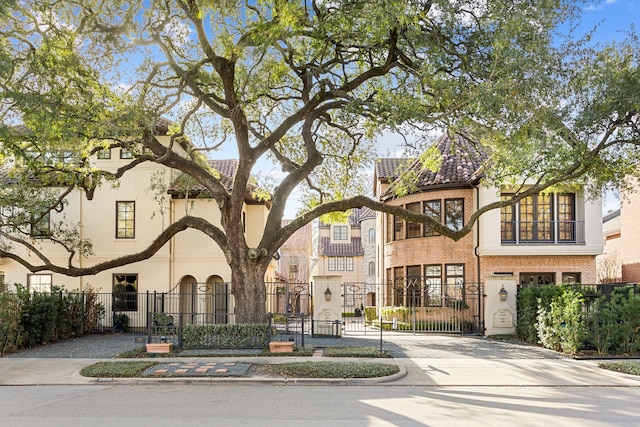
{"type": "Point", "coordinates": [30, 319]}
{"type": "Point", "coordinates": [614, 325]}
{"type": "Point", "coordinates": [565, 318]}
{"type": "Point", "coordinates": [226, 336]}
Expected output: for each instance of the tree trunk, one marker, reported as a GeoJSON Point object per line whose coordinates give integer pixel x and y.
{"type": "Point", "coordinates": [248, 289]}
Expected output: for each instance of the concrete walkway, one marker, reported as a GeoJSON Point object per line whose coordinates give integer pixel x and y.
{"type": "Point", "coordinates": [434, 361]}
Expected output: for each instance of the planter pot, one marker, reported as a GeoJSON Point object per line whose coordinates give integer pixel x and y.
{"type": "Point", "coordinates": [159, 347]}
{"type": "Point", "coordinates": [281, 347]}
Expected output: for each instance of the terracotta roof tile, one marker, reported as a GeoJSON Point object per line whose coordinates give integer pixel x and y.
{"type": "Point", "coordinates": [461, 161]}
{"type": "Point", "coordinates": [354, 248]}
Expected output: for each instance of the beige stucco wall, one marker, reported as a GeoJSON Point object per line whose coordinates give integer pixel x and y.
{"type": "Point", "coordinates": [190, 253]}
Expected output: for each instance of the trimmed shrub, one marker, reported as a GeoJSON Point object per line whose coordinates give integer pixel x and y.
{"type": "Point", "coordinates": [226, 336]}
{"type": "Point", "coordinates": [11, 331]}
{"type": "Point", "coordinates": [560, 325]}
{"type": "Point", "coordinates": [30, 319]}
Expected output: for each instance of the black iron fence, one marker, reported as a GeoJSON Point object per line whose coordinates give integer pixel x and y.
{"type": "Point", "coordinates": [413, 304]}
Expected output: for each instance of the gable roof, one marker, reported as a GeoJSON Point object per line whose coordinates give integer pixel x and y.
{"type": "Point", "coordinates": [461, 164]}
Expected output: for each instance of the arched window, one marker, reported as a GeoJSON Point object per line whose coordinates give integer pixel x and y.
{"type": "Point", "coordinates": [372, 235]}
{"type": "Point", "coordinates": [372, 268]}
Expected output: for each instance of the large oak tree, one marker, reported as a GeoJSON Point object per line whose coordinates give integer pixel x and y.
{"type": "Point", "coordinates": [309, 85]}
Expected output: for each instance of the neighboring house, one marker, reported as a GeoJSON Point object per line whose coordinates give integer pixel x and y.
{"type": "Point", "coordinates": [550, 238]}
{"type": "Point", "coordinates": [341, 252]}
{"type": "Point", "coordinates": [294, 272]}
{"type": "Point", "coordinates": [609, 264]}
{"type": "Point", "coordinates": [125, 219]}
{"type": "Point", "coordinates": [621, 231]}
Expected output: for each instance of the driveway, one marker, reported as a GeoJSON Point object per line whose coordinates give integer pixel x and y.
{"type": "Point", "coordinates": [105, 346]}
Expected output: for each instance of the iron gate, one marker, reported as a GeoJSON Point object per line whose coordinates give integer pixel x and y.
{"type": "Point", "coordinates": [413, 304]}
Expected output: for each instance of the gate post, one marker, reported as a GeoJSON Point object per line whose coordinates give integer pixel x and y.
{"type": "Point", "coordinates": [327, 291]}
{"type": "Point", "coordinates": [500, 305]}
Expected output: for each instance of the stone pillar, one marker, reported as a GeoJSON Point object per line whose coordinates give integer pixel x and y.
{"type": "Point", "coordinates": [327, 315]}
{"type": "Point", "coordinates": [500, 315]}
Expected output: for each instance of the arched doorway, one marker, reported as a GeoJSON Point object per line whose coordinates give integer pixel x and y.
{"type": "Point", "coordinates": [188, 292]}
{"type": "Point", "coordinates": [217, 299]}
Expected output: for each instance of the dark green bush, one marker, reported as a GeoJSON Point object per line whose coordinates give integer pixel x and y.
{"type": "Point", "coordinates": [562, 318]}
{"type": "Point", "coordinates": [11, 331]}
{"type": "Point", "coordinates": [29, 319]}
{"type": "Point", "coordinates": [529, 299]}
{"type": "Point", "coordinates": [560, 324]}
{"type": "Point", "coordinates": [225, 336]}
{"type": "Point", "coordinates": [614, 324]}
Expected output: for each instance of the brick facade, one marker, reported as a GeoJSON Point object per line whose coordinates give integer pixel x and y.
{"type": "Point", "coordinates": [585, 265]}
{"type": "Point", "coordinates": [432, 250]}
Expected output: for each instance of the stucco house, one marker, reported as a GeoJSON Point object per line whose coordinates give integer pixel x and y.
{"type": "Point", "coordinates": [125, 219]}
{"type": "Point", "coordinates": [346, 251]}
{"type": "Point", "coordinates": [545, 238]}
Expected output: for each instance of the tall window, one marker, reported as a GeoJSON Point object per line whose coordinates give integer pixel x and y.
{"type": "Point", "coordinates": [390, 229]}
{"type": "Point", "coordinates": [340, 263]}
{"type": "Point", "coordinates": [507, 220]}
{"type": "Point", "coordinates": [433, 284]}
{"type": "Point", "coordinates": [398, 285]}
{"type": "Point", "coordinates": [39, 282]}
{"type": "Point", "coordinates": [536, 218]}
{"type": "Point", "coordinates": [372, 235]}
{"type": "Point", "coordinates": [398, 228]}
{"type": "Point", "coordinates": [125, 292]}
{"type": "Point", "coordinates": [454, 213]}
{"type": "Point", "coordinates": [293, 264]}
{"type": "Point", "coordinates": [414, 286]}
{"type": "Point", "coordinates": [125, 220]}
{"type": "Point", "coordinates": [566, 217]}
{"type": "Point", "coordinates": [331, 263]}
{"type": "Point", "coordinates": [372, 268]}
{"type": "Point", "coordinates": [413, 228]}
{"type": "Point", "coordinates": [539, 218]}
{"type": "Point", "coordinates": [41, 227]}
{"type": "Point", "coordinates": [340, 232]}
{"type": "Point", "coordinates": [349, 263]}
{"type": "Point", "coordinates": [433, 209]}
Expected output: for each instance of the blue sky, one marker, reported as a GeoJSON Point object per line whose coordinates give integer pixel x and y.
{"type": "Point", "coordinates": [611, 17]}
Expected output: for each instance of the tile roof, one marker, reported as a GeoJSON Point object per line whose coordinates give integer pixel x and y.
{"type": "Point", "coordinates": [461, 162]}
{"type": "Point", "coordinates": [354, 248]}
{"type": "Point", "coordinates": [226, 168]}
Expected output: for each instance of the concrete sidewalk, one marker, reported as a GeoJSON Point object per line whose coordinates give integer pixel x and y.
{"type": "Point", "coordinates": [413, 372]}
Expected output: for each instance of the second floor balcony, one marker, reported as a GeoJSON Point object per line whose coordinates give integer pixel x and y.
{"type": "Point", "coordinates": [542, 232]}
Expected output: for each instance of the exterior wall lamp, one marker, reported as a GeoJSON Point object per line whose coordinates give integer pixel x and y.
{"type": "Point", "coordinates": [327, 294]}
{"type": "Point", "coordinates": [503, 293]}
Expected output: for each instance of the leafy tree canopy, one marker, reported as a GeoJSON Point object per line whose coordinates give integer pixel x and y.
{"type": "Point", "coordinates": [310, 85]}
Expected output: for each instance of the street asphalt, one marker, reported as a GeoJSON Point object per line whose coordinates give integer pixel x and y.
{"type": "Point", "coordinates": [424, 360]}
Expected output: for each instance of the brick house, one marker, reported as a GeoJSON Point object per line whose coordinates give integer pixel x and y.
{"type": "Point", "coordinates": [545, 238]}
{"type": "Point", "coordinates": [621, 229]}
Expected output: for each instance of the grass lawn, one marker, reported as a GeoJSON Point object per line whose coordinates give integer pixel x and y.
{"type": "Point", "coordinates": [627, 367]}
